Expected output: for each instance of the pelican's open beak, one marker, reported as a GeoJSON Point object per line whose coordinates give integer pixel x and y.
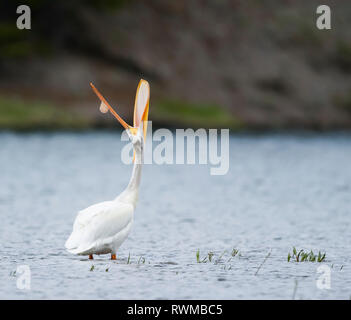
{"type": "Point", "coordinates": [116, 115]}
{"type": "Point", "coordinates": [141, 106]}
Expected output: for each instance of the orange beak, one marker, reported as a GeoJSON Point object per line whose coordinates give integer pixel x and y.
{"type": "Point", "coordinates": [141, 107]}
{"type": "Point", "coordinates": [115, 114]}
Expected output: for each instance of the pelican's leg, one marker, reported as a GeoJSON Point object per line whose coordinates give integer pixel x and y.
{"type": "Point", "coordinates": [91, 257]}
{"type": "Point", "coordinates": [113, 256]}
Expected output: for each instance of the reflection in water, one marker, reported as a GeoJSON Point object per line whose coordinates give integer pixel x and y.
{"type": "Point", "coordinates": [280, 191]}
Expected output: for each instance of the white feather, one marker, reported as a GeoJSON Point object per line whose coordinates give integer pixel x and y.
{"type": "Point", "coordinates": [101, 228]}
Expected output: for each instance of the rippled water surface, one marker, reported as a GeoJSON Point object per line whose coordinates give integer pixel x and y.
{"type": "Point", "coordinates": [280, 191]}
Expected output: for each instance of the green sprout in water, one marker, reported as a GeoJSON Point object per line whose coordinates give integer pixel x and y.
{"type": "Point", "coordinates": [210, 256]}
{"type": "Point", "coordinates": [321, 256]}
{"type": "Point", "coordinates": [141, 260]}
{"type": "Point", "coordinates": [198, 260]}
{"type": "Point", "coordinates": [198, 256]}
{"type": "Point", "coordinates": [263, 262]}
{"type": "Point", "coordinates": [92, 268]}
{"type": "Point", "coordinates": [303, 256]}
{"type": "Point", "coordinates": [220, 257]}
{"type": "Point", "coordinates": [234, 252]}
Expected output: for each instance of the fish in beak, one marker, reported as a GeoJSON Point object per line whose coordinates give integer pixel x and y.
{"type": "Point", "coordinates": [141, 108]}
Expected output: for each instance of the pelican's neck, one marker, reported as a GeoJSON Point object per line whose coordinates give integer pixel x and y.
{"type": "Point", "coordinates": [136, 174]}
{"type": "Point", "coordinates": [130, 194]}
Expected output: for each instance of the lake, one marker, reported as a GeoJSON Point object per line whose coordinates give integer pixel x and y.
{"type": "Point", "coordinates": [281, 191]}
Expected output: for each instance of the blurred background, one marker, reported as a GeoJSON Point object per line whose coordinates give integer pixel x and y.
{"type": "Point", "coordinates": [246, 65]}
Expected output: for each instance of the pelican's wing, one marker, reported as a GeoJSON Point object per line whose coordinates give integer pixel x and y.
{"type": "Point", "coordinates": [97, 224]}
{"type": "Point", "coordinates": [85, 216]}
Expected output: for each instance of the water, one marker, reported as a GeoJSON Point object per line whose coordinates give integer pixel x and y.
{"type": "Point", "coordinates": [280, 191]}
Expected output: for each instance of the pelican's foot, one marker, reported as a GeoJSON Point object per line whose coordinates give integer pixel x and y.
{"type": "Point", "coordinates": [91, 257]}
{"type": "Point", "coordinates": [113, 257]}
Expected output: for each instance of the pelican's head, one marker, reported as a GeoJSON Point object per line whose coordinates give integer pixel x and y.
{"type": "Point", "coordinates": [136, 137]}
{"type": "Point", "coordinates": [137, 132]}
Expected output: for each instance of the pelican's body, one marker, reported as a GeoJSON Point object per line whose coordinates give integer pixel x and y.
{"type": "Point", "coordinates": [103, 227]}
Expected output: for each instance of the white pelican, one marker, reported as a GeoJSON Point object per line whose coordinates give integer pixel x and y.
{"type": "Point", "coordinates": [102, 227]}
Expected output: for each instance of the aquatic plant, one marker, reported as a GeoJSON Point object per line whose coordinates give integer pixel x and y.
{"type": "Point", "coordinates": [221, 256]}
{"type": "Point", "coordinates": [141, 260]}
{"type": "Point", "coordinates": [302, 256]}
{"type": "Point", "coordinates": [198, 257]}
{"type": "Point", "coordinates": [92, 267]}
{"type": "Point", "coordinates": [204, 260]}
{"type": "Point", "coordinates": [210, 256]}
{"type": "Point", "coordinates": [234, 252]}
{"type": "Point", "coordinates": [265, 259]}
